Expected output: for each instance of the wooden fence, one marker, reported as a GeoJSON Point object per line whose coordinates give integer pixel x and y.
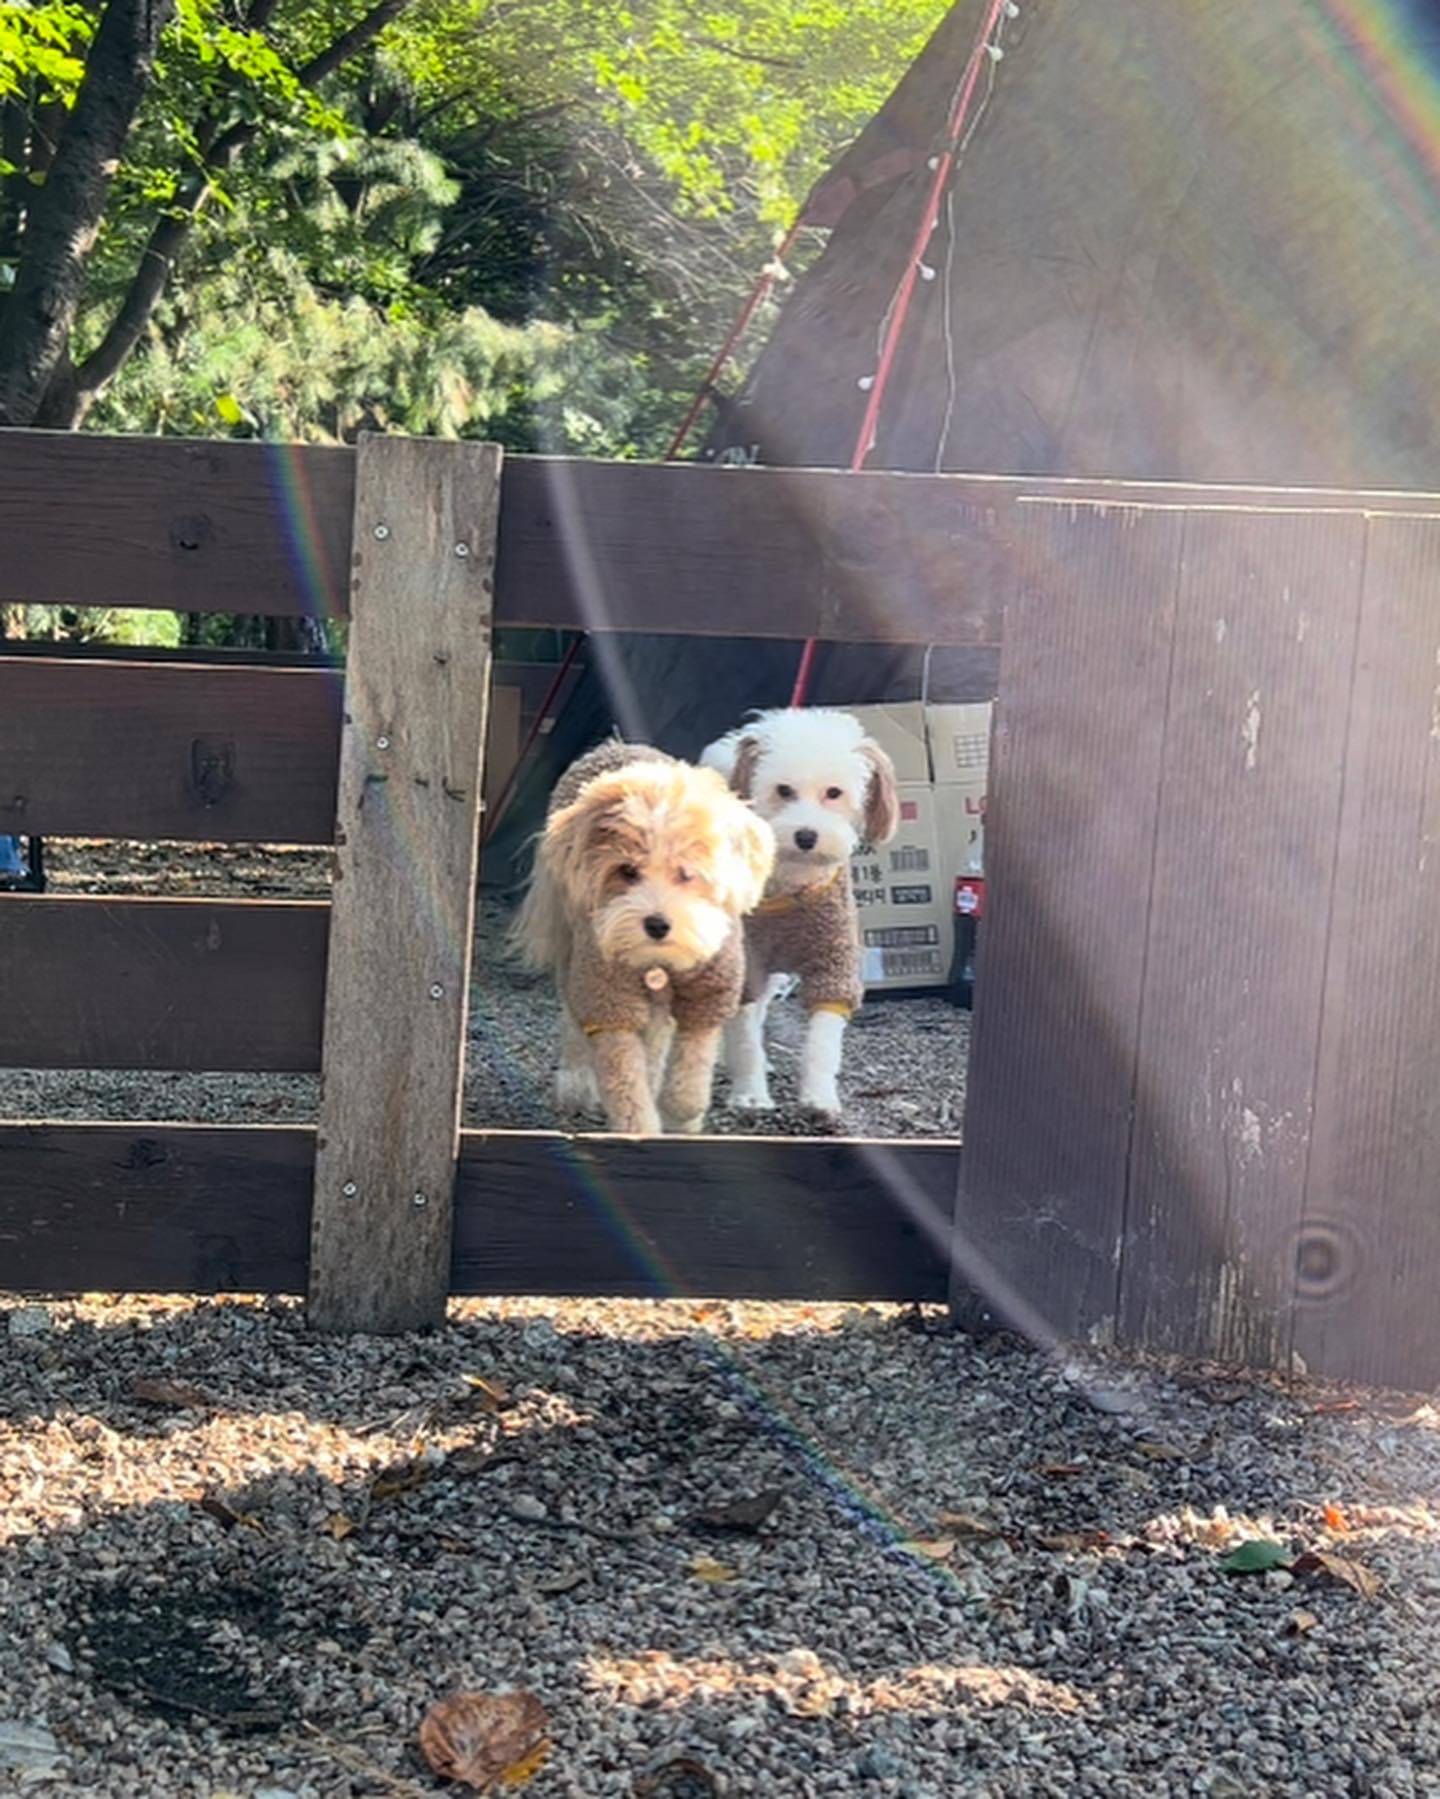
{"type": "Point", "coordinates": [1199, 1113]}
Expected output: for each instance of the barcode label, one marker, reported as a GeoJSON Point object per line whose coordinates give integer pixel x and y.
{"type": "Point", "coordinates": [908, 964]}
{"type": "Point", "coordinates": [901, 936]}
{"type": "Point", "coordinates": [910, 859]}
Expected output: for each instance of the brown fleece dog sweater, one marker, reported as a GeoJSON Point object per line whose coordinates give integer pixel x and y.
{"type": "Point", "coordinates": [814, 933]}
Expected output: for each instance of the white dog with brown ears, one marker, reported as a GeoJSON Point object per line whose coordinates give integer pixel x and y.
{"type": "Point", "coordinates": [823, 787]}
{"type": "Point", "coordinates": [643, 873]}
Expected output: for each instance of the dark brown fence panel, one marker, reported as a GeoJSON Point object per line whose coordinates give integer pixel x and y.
{"type": "Point", "coordinates": [149, 983]}
{"type": "Point", "coordinates": [732, 1217]}
{"type": "Point", "coordinates": [166, 750]}
{"type": "Point", "coordinates": [784, 553]}
{"type": "Point", "coordinates": [181, 525]}
{"type": "Point", "coordinates": [195, 1209]}
{"type": "Point", "coordinates": [154, 1208]}
{"type": "Point", "coordinates": [1368, 1258]}
{"type": "Point", "coordinates": [1069, 843]}
{"type": "Point", "coordinates": [243, 527]}
{"type": "Point", "coordinates": [1244, 866]}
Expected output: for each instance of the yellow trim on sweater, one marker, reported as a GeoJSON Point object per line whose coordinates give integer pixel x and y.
{"type": "Point", "coordinates": [837, 1006]}
{"type": "Point", "coordinates": [803, 896]}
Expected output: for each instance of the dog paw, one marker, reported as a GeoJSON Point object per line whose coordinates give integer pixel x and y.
{"type": "Point", "coordinates": [686, 1127]}
{"type": "Point", "coordinates": [751, 1099]}
{"type": "Point", "coordinates": [823, 1100]}
{"type": "Point", "coordinates": [576, 1093]}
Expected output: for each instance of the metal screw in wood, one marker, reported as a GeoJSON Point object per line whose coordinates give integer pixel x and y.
{"type": "Point", "coordinates": [381, 533]}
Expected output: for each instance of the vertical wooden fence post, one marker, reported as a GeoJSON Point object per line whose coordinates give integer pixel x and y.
{"type": "Point", "coordinates": [396, 997]}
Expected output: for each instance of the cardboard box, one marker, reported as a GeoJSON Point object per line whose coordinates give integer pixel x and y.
{"type": "Point", "coordinates": [959, 742]}
{"type": "Point", "coordinates": [502, 742]}
{"type": "Point", "coordinates": [906, 903]}
{"type": "Point", "coordinates": [900, 732]}
{"type": "Point", "coordinates": [907, 893]}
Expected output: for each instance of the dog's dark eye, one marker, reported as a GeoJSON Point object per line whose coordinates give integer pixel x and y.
{"type": "Point", "coordinates": [834, 793]}
{"type": "Point", "coordinates": [782, 792]}
{"type": "Point", "coordinates": [628, 873]}
{"type": "Point", "coordinates": [683, 875]}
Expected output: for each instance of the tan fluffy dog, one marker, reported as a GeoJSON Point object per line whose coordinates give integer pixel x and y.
{"type": "Point", "coordinates": [642, 876]}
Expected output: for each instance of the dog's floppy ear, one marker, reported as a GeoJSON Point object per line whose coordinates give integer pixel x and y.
{"type": "Point", "coordinates": [742, 771]}
{"type": "Point", "coordinates": [882, 800]}
{"type": "Point", "coordinates": [752, 856]}
{"type": "Point", "coordinates": [571, 835]}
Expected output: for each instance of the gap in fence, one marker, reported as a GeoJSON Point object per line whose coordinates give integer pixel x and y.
{"type": "Point", "coordinates": [905, 1072]}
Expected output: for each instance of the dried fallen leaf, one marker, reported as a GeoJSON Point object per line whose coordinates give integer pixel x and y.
{"type": "Point", "coordinates": [225, 1514]}
{"type": "Point", "coordinates": [566, 1581]}
{"type": "Point", "coordinates": [178, 1394]}
{"type": "Point", "coordinates": [486, 1740]}
{"type": "Point", "coordinates": [1257, 1556]}
{"type": "Point", "coordinates": [683, 1778]}
{"type": "Point", "coordinates": [496, 1397]}
{"type": "Point", "coordinates": [339, 1526]}
{"type": "Point", "coordinates": [738, 1517]}
{"type": "Point", "coordinates": [932, 1549]}
{"type": "Point", "coordinates": [1335, 1518]}
{"type": "Point", "coordinates": [404, 1477]}
{"type": "Point", "coordinates": [1301, 1623]}
{"type": "Point", "coordinates": [1315, 1564]}
{"type": "Point", "coordinates": [1075, 1541]}
{"type": "Point", "coordinates": [962, 1524]}
{"type": "Point", "coordinates": [706, 1568]}
{"type": "Point", "coordinates": [1160, 1452]}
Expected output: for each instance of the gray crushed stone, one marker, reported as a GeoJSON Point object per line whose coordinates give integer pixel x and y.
{"type": "Point", "coordinates": [973, 1581]}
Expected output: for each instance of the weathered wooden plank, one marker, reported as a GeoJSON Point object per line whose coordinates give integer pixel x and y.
{"type": "Point", "coordinates": [151, 983]}
{"type": "Point", "coordinates": [770, 553]}
{"type": "Point", "coordinates": [732, 1217]}
{"type": "Point", "coordinates": [154, 1208]}
{"type": "Point", "coordinates": [223, 526]}
{"type": "Point", "coordinates": [137, 1207]}
{"type": "Point", "coordinates": [1368, 1254]}
{"type": "Point", "coordinates": [179, 524]}
{"type": "Point", "coordinates": [168, 750]}
{"type": "Point", "coordinates": [1069, 844]}
{"type": "Point", "coordinates": [416, 695]}
{"type": "Point", "coordinates": [1244, 866]}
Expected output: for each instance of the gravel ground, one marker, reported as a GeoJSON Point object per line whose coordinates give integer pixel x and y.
{"type": "Point", "coordinates": [904, 1069]}
{"type": "Point", "coordinates": [236, 1559]}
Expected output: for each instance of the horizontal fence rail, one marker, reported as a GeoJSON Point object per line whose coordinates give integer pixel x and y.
{"type": "Point", "coordinates": [164, 750]}
{"type": "Point", "coordinates": [202, 1209]}
{"type": "Point", "coordinates": [231, 985]}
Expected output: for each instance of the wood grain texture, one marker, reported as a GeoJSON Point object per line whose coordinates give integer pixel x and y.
{"type": "Point", "coordinates": [154, 1208]}
{"type": "Point", "coordinates": [1368, 1255]}
{"type": "Point", "coordinates": [168, 750]}
{"type": "Point", "coordinates": [1069, 844]}
{"type": "Point", "coordinates": [242, 527]}
{"type": "Point", "coordinates": [136, 1207]}
{"type": "Point", "coordinates": [1244, 869]}
{"type": "Point", "coordinates": [717, 1217]}
{"type": "Point", "coordinates": [416, 695]}
{"type": "Point", "coordinates": [163, 984]}
{"type": "Point", "coordinates": [181, 524]}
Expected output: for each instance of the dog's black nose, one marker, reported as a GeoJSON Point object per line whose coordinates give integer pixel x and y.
{"type": "Point", "coordinates": [657, 927]}
{"type": "Point", "coordinates": [806, 840]}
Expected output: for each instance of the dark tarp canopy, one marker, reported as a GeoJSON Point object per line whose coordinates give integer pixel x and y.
{"type": "Point", "coordinates": [1188, 239]}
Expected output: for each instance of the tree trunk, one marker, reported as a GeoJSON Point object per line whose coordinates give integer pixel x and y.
{"type": "Point", "coordinates": [60, 230]}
